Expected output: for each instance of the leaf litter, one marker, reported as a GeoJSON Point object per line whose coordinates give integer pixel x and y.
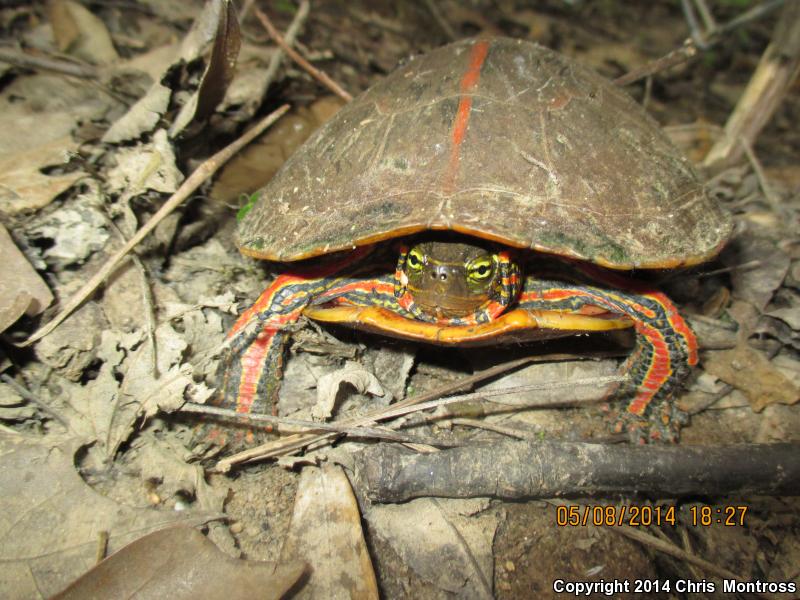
{"type": "Point", "coordinates": [115, 374]}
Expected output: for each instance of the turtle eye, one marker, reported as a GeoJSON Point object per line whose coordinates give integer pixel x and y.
{"type": "Point", "coordinates": [480, 269]}
{"type": "Point", "coordinates": [415, 260]}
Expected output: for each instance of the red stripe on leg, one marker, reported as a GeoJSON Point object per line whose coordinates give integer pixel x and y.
{"type": "Point", "coordinates": [679, 325]}
{"type": "Point", "coordinates": [253, 360]}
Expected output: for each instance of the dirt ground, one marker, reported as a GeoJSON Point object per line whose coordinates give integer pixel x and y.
{"type": "Point", "coordinates": [110, 106]}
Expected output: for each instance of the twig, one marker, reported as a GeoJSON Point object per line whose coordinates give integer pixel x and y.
{"type": "Point", "coordinates": [201, 174]}
{"type": "Point", "coordinates": [244, 11]}
{"type": "Point", "coordinates": [501, 429]}
{"type": "Point", "coordinates": [713, 32]}
{"type": "Point", "coordinates": [24, 60]}
{"type": "Point", "coordinates": [487, 394]}
{"type": "Point", "coordinates": [297, 442]}
{"type": "Point", "coordinates": [691, 21]}
{"type": "Point", "coordinates": [313, 426]}
{"type": "Point", "coordinates": [295, 56]}
{"type": "Point", "coordinates": [752, 264]}
{"type": "Point", "coordinates": [376, 20]}
{"type": "Point", "coordinates": [752, 14]}
{"type": "Point", "coordinates": [291, 35]}
{"type": "Point", "coordinates": [675, 57]}
{"type": "Point", "coordinates": [648, 91]}
{"type": "Point", "coordinates": [769, 84]}
{"type": "Point", "coordinates": [440, 20]}
{"type": "Point", "coordinates": [761, 176]}
{"type": "Point", "coordinates": [698, 39]}
{"type": "Point", "coordinates": [22, 391]}
{"type": "Point", "coordinates": [708, 19]}
{"type": "Point", "coordinates": [147, 298]}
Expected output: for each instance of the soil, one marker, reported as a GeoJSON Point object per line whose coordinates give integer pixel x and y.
{"type": "Point", "coordinates": [106, 387]}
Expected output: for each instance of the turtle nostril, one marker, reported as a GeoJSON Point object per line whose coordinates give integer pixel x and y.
{"type": "Point", "coordinates": [443, 276]}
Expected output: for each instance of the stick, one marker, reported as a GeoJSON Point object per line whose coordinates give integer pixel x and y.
{"type": "Point", "coordinates": [778, 67]}
{"type": "Point", "coordinates": [24, 60]}
{"type": "Point", "coordinates": [291, 34]}
{"type": "Point", "coordinates": [295, 56]}
{"type": "Point", "coordinates": [525, 470]}
{"type": "Point", "coordinates": [675, 57]}
{"type": "Point", "coordinates": [295, 443]}
{"type": "Point", "coordinates": [391, 412]}
{"type": "Point", "coordinates": [203, 172]}
{"type": "Point", "coordinates": [440, 20]}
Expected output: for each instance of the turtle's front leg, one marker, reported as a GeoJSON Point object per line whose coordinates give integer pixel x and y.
{"type": "Point", "coordinates": [254, 363]}
{"type": "Point", "coordinates": [665, 351]}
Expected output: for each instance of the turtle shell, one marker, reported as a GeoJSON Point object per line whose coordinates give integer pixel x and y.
{"type": "Point", "coordinates": [497, 138]}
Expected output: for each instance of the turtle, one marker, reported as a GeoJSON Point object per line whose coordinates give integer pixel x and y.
{"type": "Point", "coordinates": [491, 191]}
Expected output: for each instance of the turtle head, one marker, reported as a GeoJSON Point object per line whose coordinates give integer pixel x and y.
{"type": "Point", "coordinates": [441, 280]}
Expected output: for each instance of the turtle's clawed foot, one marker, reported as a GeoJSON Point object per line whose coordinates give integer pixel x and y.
{"type": "Point", "coordinates": [662, 424]}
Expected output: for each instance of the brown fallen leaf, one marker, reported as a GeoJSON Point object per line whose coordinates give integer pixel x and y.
{"type": "Point", "coordinates": [215, 22]}
{"type": "Point", "coordinates": [181, 563]}
{"type": "Point", "coordinates": [80, 33]}
{"type": "Point", "coordinates": [23, 186]}
{"type": "Point", "coordinates": [446, 542]}
{"type": "Point", "coordinates": [134, 380]}
{"type": "Point", "coordinates": [756, 286]}
{"type": "Point", "coordinates": [219, 69]}
{"type": "Point", "coordinates": [748, 370]}
{"type": "Point", "coordinates": [22, 291]}
{"type": "Point", "coordinates": [329, 387]}
{"type": "Point", "coordinates": [326, 531]}
{"type": "Point", "coordinates": [50, 519]}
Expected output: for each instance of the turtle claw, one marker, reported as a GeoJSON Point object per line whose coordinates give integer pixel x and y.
{"type": "Point", "coordinates": [662, 424]}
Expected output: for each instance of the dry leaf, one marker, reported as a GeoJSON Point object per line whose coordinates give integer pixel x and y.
{"type": "Point", "coordinates": [441, 542]}
{"type": "Point", "coordinates": [756, 285]}
{"type": "Point", "coordinates": [219, 70]}
{"type": "Point", "coordinates": [22, 291]}
{"type": "Point", "coordinates": [789, 311]}
{"type": "Point", "coordinates": [326, 531]}
{"type": "Point", "coordinates": [50, 519]}
{"type": "Point", "coordinates": [330, 384]}
{"type": "Point", "coordinates": [71, 234]}
{"type": "Point", "coordinates": [14, 407]}
{"type": "Point", "coordinates": [69, 349]}
{"type": "Point", "coordinates": [164, 460]}
{"type": "Point", "coordinates": [153, 62]}
{"type": "Point", "coordinates": [80, 33]}
{"type": "Point", "coordinates": [173, 12]}
{"type": "Point", "coordinates": [148, 166]}
{"type": "Point", "coordinates": [392, 365]}
{"type": "Point", "coordinates": [23, 187]}
{"type": "Point", "coordinates": [142, 117]}
{"type": "Point", "coordinates": [106, 410]}
{"type": "Point", "coordinates": [181, 563]}
{"type": "Point", "coordinates": [24, 128]}
{"type": "Point", "coordinates": [751, 372]}
{"type": "Point", "coordinates": [147, 112]}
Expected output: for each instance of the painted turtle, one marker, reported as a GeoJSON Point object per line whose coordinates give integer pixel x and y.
{"type": "Point", "coordinates": [482, 193]}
